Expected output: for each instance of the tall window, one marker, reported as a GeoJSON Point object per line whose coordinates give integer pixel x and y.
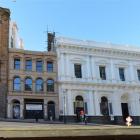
{"type": "Point", "coordinates": [39, 84]}
{"type": "Point", "coordinates": [50, 85]}
{"type": "Point", "coordinates": [138, 73]}
{"type": "Point", "coordinates": [28, 84]}
{"type": "Point", "coordinates": [39, 65]}
{"type": "Point", "coordinates": [49, 66]}
{"type": "Point", "coordinates": [121, 74]}
{"type": "Point", "coordinates": [102, 72]}
{"type": "Point", "coordinates": [16, 63]}
{"type": "Point", "coordinates": [17, 84]}
{"type": "Point", "coordinates": [104, 106]}
{"type": "Point", "coordinates": [28, 65]}
{"type": "Point", "coordinates": [78, 70]}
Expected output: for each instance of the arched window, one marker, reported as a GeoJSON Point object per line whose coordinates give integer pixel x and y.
{"type": "Point", "coordinates": [104, 106]}
{"type": "Point", "coordinates": [16, 84]}
{"type": "Point", "coordinates": [50, 85]}
{"type": "Point", "coordinates": [28, 84]}
{"type": "Point", "coordinates": [39, 84]}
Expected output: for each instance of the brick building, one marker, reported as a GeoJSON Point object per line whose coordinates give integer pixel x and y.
{"type": "Point", "coordinates": [4, 39]}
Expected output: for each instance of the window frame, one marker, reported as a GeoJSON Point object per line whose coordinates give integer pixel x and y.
{"type": "Point", "coordinates": [78, 71]}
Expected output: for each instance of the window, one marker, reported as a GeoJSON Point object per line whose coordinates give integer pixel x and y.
{"type": "Point", "coordinates": [121, 73]}
{"type": "Point", "coordinates": [39, 65]}
{"type": "Point", "coordinates": [102, 72]}
{"type": "Point", "coordinates": [28, 84]}
{"type": "Point", "coordinates": [78, 70]}
{"type": "Point", "coordinates": [104, 106]}
{"type": "Point", "coordinates": [28, 65]}
{"type": "Point", "coordinates": [49, 66]}
{"type": "Point", "coordinates": [39, 84]}
{"type": "Point", "coordinates": [50, 85]}
{"type": "Point", "coordinates": [16, 84]}
{"type": "Point", "coordinates": [138, 73]}
{"type": "Point", "coordinates": [16, 63]}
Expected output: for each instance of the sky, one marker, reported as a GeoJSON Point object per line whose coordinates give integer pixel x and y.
{"type": "Point", "coordinates": [115, 21]}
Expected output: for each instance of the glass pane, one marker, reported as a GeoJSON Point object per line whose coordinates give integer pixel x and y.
{"type": "Point", "coordinates": [39, 66]}
{"type": "Point", "coordinates": [49, 67]}
{"type": "Point", "coordinates": [28, 65]}
{"type": "Point", "coordinates": [28, 84]}
{"type": "Point", "coordinates": [17, 64]}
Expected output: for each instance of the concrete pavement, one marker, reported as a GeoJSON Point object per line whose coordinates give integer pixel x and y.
{"type": "Point", "coordinates": [31, 130]}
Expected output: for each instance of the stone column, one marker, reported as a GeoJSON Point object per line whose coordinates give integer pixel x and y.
{"type": "Point", "coordinates": [33, 64]}
{"type": "Point", "coordinates": [88, 68]}
{"type": "Point", "coordinates": [116, 104]}
{"type": "Point", "coordinates": [69, 103]}
{"type": "Point", "coordinates": [22, 63]}
{"type": "Point", "coordinates": [90, 104]}
{"type": "Point", "coordinates": [9, 111]}
{"type": "Point", "coordinates": [112, 71]}
{"type": "Point", "coordinates": [97, 104]}
{"type": "Point", "coordinates": [62, 61]}
{"type": "Point", "coordinates": [67, 66]}
{"type": "Point", "coordinates": [45, 109]}
{"type": "Point", "coordinates": [21, 108]}
{"type": "Point", "coordinates": [134, 104]}
{"type": "Point", "coordinates": [93, 68]}
{"type": "Point", "coordinates": [131, 69]}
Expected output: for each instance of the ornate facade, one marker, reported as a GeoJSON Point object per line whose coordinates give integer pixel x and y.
{"type": "Point", "coordinates": [32, 84]}
{"type": "Point", "coordinates": [102, 79]}
{"type": "Point", "coordinates": [4, 40]}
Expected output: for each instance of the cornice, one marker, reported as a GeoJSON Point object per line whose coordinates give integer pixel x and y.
{"type": "Point", "coordinates": [97, 48]}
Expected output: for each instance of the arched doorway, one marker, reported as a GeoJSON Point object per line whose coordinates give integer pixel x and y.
{"type": "Point", "coordinates": [16, 109]}
{"type": "Point", "coordinates": [104, 106]}
{"type": "Point", "coordinates": [51, 110]}
{"type": "Point", "coordinates": [124, 105]}
{"type": "Point", "coordinates": [79, 106]}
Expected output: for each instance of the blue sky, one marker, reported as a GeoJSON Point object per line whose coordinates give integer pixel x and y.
{"type": "Point", "coordinates": [115, 21]}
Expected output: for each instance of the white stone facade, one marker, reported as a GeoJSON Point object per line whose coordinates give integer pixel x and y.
{"type": "Point", "coordinates": [123, 96]}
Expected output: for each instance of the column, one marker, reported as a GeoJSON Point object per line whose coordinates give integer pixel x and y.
{"type": "Point", "coordinates": [22, 63]}
{"type": "Point", "coordinates": [90, 104]}
{"type": "Point", "coordinates": [45, 108]}
{"type": "Point", "coordinates": [132, 75]}
{"type": "Point", "coordinates": [88, 68]}
{"type": "Point", "coordinates": [21, 108]}
{"type": "Point", "coordinates": [112, 70]}
{"type": "Point", "coordinates": [134, 104]}
{"type": "Point", "coordinates": [93, 68]}
{"type": "Point", "coordinates": [97, 104]}
{"type": "Point", "coordinates": [62, 64]}
{"type": "Point", "coordinates": [9, 112]}
{"type": "Point", "coordinates": [69, 103]}
{"type": "Point", "coordinates": [67, 66]}
{"type": "Point", "coordinates": [116, 104]}
{"type": "Point", "coordinates": [33, 64]}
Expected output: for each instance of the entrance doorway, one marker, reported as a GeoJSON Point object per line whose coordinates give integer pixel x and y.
{"type": "Point", "coordinates": [51, 110]}
{"type": "Point", "coordinates": [33, 108]}
{"type": "Point", "coordinates": [79, 106]}
{"type": "Point", "coordinates": [16, 110]}
{"type": "Point", "coordinates": [125, 111]}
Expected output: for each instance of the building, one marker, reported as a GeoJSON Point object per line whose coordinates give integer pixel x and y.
{"type": "Point", "coordinates": [4, 40]}
{"type": "Point", "coordinates": [32, 84]}
{"type": "Point", "coordinates": [102, 79]}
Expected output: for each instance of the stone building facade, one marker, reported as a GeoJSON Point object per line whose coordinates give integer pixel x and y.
{"type": "Point", "coordinates": [32, 82]}
{"type": "Point", "coordinates": [4, 42]}
{"type": "Point", "coordinates": [101, 79]}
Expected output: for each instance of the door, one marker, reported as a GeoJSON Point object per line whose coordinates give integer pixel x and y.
{"type": "Point", "coordinates": [125, 112]}
{"type": "Point", "coordinates": [51, 110]}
